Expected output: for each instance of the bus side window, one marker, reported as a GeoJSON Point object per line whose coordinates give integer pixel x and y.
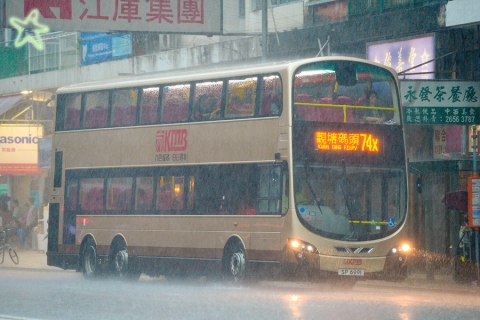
{"type": "Point", "coordinates": [272, 99]}
{"type": "Point", "coordinates": [207, 101]}
{"type": "Point", "coordinates": [69, 218]}
{"type": "Point", "coordinates": [149, 105]}
{"type": "Point", "coordinates": [241, 98]}
{"type": "Point", "coordinates": [70, 106]}
{"type": "Point", "coordinates": [175, 102]}
{"type": "Point", "coordinates": [96, 109]}
{"type": "Point", "coordinates": [144, 194]}
{"type": "Point", "coordinates": [119, 194]}
{"type": "Point", "coordinates": [270, 190]}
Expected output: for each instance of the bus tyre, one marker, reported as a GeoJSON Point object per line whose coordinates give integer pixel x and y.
{"type": "Point", "coordinates": [236, 263]}
{"type": "Point", "coordinates": [89, 260]}
{"type": "Point", "coordinates": [121, 266]}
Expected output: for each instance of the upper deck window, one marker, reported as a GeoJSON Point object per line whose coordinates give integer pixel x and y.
{"type": "Point", "coordinates": [272, 96]}
{"type": "Point", "coordinates": [224, 99]}
{"type": "Point", "coordinates": [175, 101]}
{"type": "Point", "coordinates": [124, 107]}
{"type": "Point", "coordinates": [344, 91]}
{"type": "Point", "coordinates": [149, 105]}
{"type": "Point", "coordinates": [96, 109]}
{"type": "Point", "coordinates": [73, 105]}
{"type": "Point", "coordinates": [241, 95]}
{"type": "Point", "coordinates": [208, 101]}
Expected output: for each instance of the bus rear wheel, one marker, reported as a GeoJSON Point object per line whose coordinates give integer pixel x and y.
{"type": "Point", "coordinates": [121, 267]}
{"type": "Point", "coordinates": [89, 260]}
{"type": "Point", "coordinates": [236, 262]}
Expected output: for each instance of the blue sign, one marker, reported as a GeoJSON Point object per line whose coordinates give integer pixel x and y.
{"type": "Point", "coordinates": [391, 222]}
{"type": "Point", "coordinates": [100, 47]}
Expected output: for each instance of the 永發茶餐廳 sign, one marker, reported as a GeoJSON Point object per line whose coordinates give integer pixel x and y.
{"type": "Point", "coordinates": [440, 102]}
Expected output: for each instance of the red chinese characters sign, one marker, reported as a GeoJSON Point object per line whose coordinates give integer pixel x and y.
{"type": "Point", "coordinates": [165, 16]}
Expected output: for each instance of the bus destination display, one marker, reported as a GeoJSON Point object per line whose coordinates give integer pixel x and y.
{"type": "Point", "coordinates": [347, 141]}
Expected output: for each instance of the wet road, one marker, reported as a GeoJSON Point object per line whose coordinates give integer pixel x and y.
{"type": "Point", "coordinates": [66, 295]}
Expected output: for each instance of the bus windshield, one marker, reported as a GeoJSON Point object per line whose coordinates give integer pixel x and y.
{"type": "Point", "coordinates": [345, 91]}
{"type": "Point", "coordinates": [349, 154]}
{"type": "Point", "coordinates": [349, 203]}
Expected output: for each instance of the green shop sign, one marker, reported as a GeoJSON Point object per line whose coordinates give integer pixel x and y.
{"type": "Point", "coordinates": [440, 102]}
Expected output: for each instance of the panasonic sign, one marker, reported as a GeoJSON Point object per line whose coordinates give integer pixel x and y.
{"type": "Point", "coordinates": [18, 140]}
{"type": "Point", "coordinates": [19, 149]}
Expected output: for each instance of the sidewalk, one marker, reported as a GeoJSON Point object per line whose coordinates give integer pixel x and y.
{"type": "Point", "coordinates": [28, 259]}
{"type": "Point", "coordinates": [37, 260]}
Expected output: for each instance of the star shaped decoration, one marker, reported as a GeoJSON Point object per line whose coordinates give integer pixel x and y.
{"type": "Point", "coordinates": [21, 25]}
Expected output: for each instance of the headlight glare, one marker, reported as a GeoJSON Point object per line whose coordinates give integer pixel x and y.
{"type": "Point", "coordinates": [405, 247]}
{"type": "Point", "coordinates": [302, 245]}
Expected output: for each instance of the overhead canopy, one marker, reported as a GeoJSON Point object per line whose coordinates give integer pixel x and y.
{"type": "Point", "coordinates": [8, 102]}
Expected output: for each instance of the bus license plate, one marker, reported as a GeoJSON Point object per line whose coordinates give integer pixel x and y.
{"type": "Point", "coordinates": [351, 272]}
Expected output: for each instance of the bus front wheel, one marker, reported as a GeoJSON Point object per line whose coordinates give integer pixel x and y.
{"type": "Point", "coordinates": [89, 260]}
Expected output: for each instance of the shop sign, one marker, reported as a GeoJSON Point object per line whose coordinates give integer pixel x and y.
{"type": "Point", "coordinates": [439, 142]}
{"type": "Point", "coordinates": [170, 16]}
{"type": "Point", "coordinates": [19, 149]}
{"type": "Point", "coordinates": [440, 102]}
{"type": "Point", "coordinates": [100, 47]}
{"type": "Point", "coordinates": [474, 201]}
{"type": "Point", "coordinates": [406, 54]}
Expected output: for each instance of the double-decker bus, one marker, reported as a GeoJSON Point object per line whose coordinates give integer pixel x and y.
{"type": "Point", "coordinates": [282, 166]}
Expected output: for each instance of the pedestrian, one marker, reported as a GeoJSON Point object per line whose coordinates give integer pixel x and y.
{"type": "Point", "coordinates": [31, 220]}
{"type": "Point", "coordinates": [6, 215]}
{"type": "Point", "coordinates": [19, 225]}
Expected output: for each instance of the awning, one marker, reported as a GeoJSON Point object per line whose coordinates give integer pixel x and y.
{"type": "Point", "coordinates": [8, 102]}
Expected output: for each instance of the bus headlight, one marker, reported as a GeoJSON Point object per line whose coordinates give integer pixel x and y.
{"type": "Point", "coordinates": [303, 246]}
{"type": "Point", "coordinates": [404, 248]}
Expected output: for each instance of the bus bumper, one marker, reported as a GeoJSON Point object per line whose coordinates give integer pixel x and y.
{"type": "Point", "coordinates": [390, 267]}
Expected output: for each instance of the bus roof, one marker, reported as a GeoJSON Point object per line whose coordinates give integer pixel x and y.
{"type": "Point", "coordinates": [191, 74]}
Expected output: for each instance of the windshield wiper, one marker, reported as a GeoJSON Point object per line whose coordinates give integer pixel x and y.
{"type": "Point", "coordinates": [311, 188]}
{"type": "Point", "coordinates": [346, 196]}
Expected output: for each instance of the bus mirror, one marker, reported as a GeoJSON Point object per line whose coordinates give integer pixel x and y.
{"type": "Point", "coordinates": [345, 73]}
{"type": "Point", "coordinates": [419, 185]}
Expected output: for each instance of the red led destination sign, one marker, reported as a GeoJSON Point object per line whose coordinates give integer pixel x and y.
{"type": "Point", "coordinates": [345, 141]}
